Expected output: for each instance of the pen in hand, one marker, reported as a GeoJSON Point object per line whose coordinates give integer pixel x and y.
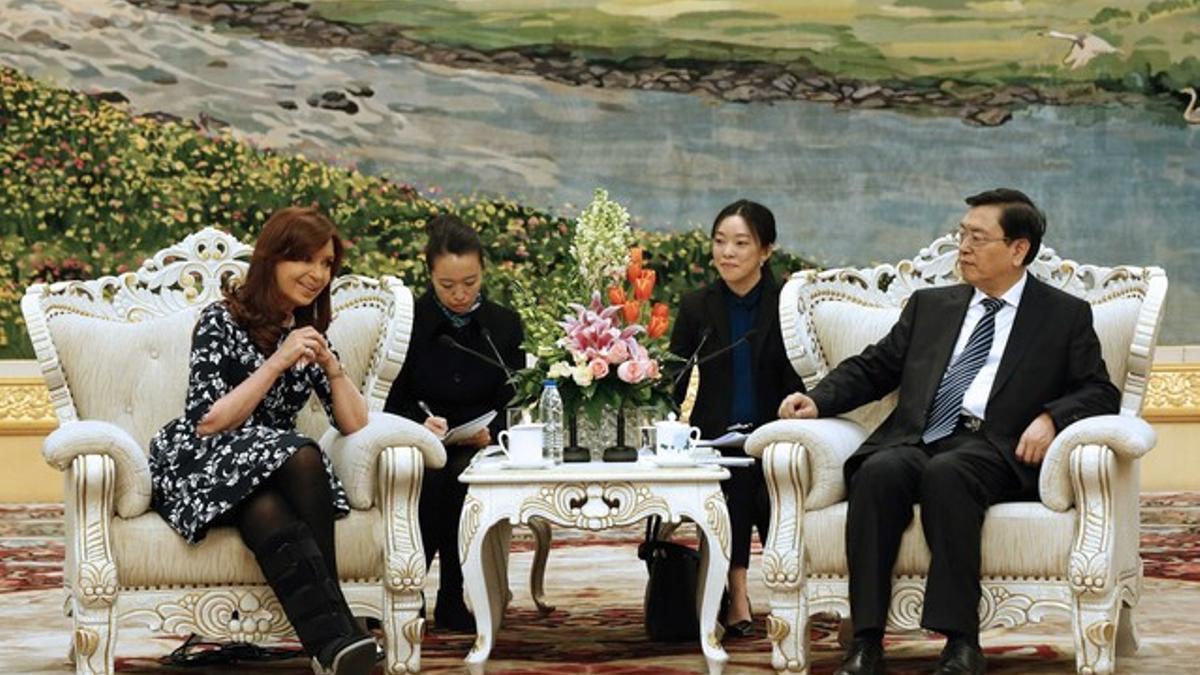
{"type": "Point", "coordinates": [432, 422]}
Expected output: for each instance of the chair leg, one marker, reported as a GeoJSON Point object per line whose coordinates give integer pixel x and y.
{"type": "Point", "coordinates": [92, 587]}
{"type": "Point", "coordinates": [1095, 623]}
{"type": "Point", "coordinates": [403, 629]}
{"type": "Point", "coordinates": [1127, 637]}
{"type": "Point", "coordinates": [787, 628]}
{"type": "Point", "coordinates": [94, 640]}
{"type": "Point", "coordinates": [401, 469]}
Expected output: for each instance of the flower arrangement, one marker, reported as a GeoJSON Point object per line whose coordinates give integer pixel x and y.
{"type": "Point", "coordinates": [606, 356]}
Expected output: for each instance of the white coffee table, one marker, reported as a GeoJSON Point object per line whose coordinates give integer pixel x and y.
{"type": "Point", "coordinates": [588, 496]}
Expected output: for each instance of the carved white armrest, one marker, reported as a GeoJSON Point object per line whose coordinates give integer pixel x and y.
{"type": "Point", "coordinates": [828, 442]}
{"type": "Point", "coordinates": [93, 437]}
{"type": "Point", "coordinates": [356, 457]}
{"type": "Point", "coordinates": [1128, 437]}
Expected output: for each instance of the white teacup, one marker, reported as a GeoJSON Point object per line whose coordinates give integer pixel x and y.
{"type": "Point", "coordinates": [522, 444]}
{"type": "Point", "coordinates": [674, 440]}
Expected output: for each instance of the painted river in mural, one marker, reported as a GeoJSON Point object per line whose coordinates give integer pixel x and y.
{"type": "Point", "coordinates": [1119, 185]}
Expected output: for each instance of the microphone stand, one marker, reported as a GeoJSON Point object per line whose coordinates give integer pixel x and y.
{"type": "Point", "coordinates": [620, 452]}
{"type": "Point", "coordinates": [455, 344]}
{"type": "Point", "coordinates": [487, 335]}
{"type": "Point", "coordinates": [691, 359]}
{"type": "Point", "coordinates": [727, 348]}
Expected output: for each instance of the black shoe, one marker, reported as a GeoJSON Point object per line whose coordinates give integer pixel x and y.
{"type": "Point", "coordinates": [741, 629]}
{"type": "Point", "coordinates": [865, 657]}
{"type": "Point", "coordinates": [961, 657]}
{"type": "Point", "coordinates": [737, 629]}
{"type": "Point", "coordinates": [451, 614]}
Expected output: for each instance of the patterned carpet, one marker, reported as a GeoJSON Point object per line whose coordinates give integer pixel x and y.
{"type": "Point", "coordinates": [596, 581]}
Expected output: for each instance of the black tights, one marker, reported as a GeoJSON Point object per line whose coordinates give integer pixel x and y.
{"type": "Point", "coordinates": [297, 491]}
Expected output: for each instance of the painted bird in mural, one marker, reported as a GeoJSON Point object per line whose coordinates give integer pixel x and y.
{"type": "Point", "coordinates": [1084, 47]}
{"type": "Point", "coordinates": [1190, 115]}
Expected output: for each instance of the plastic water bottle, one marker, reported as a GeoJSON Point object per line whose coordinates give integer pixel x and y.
{"type": "Point", "coordinates": [550, 407]}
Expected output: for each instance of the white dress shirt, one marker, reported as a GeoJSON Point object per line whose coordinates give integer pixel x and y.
{"type": "Point", "coordinates": [976, 398]}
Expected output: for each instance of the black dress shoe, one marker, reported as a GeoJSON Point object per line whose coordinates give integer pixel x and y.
{"type": "Point", "coordinates": [865, 657]}
{"type": "Point", "coordinates": [737, 629]}
{"type": "Point", "coordinates": [741, 629]}
{"type": "Point", "coordinates": [961, 658]}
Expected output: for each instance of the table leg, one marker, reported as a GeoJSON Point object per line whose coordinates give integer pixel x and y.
{"type": "Point", "coordinates": [481, 577]}
{"type": "Point", "coordinates": [499, 544]}
{"type": "Point", "coordinates": [497, 547]}
{"type": "Point", "coordinates": [714, 567]}
{"type": "Point", "coordinates": [537, 575]}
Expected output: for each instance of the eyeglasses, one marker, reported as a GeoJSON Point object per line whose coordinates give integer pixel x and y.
{"type": "Point", "coordinates": [969, 239]}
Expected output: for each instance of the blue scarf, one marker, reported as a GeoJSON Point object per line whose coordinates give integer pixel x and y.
{"type": "Point", "coordinates": [459, 320]}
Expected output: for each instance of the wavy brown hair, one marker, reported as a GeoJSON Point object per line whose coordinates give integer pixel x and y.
{"type": "Point", "coordinates": [292, 233]}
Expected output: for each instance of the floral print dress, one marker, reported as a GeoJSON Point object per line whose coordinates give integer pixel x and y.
{"type": "Point", "coordinates": [196, 479]}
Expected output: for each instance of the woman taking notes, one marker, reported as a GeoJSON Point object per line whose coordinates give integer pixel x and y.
{"type": "Point", "coordinates": [455, 371]}
{"type": "Point", "coordinates": [738, 316]}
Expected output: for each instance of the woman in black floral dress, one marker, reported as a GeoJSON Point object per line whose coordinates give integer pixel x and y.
{"type": "Point", "coordinates": [235, 456]}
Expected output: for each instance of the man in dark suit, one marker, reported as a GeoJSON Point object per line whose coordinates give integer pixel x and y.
{"type": "Point", "coordinates": [988, 372]}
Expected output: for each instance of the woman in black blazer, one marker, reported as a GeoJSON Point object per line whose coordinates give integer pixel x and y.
{"type": "Point", "coordinates": [443, 386]}
{"type": "Point", "coordinates": [740, 387]}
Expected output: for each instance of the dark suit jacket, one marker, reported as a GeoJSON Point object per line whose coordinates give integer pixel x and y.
{"type": "Point", "coordinates": [774, 378]}
{"type": "Point", "coordinates": [1051, 364]}
{"type": "Point", "coordinates": [454, 384]}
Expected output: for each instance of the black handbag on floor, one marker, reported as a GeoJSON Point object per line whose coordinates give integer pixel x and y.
{"type": "Point", "coordinates": [670, 603]}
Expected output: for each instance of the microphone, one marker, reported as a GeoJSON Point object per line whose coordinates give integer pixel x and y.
{"type": "Point", "coordinates": [455, 344]}
{"type": "Point", "coordinates": [487, 335]}
{"type": "Point", "coordinates": [745, 336]}
{"type": "Point", "coordinates": [691, 361]}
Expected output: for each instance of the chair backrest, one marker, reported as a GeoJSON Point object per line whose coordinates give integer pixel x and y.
{"type": "Point", "coordinates": [117, 348]}
{"type": "Point", "coordinates": [827, 316]}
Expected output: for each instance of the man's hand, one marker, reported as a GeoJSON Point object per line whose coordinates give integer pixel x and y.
{"type": "Point", "coordinates": [798, 406]}
{"type": "Point", "coordinates": [1036, 440]}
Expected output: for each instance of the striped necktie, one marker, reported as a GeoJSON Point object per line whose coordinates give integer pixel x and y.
{"type": "Point", "coordinates": [947, 402]}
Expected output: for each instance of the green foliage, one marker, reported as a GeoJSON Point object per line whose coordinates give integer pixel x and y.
{"type": "Point", "coordinates": [1110, 14]}
{"type": "Point", "coordinates": [87, 191]}
{"type": "Point", "coordinates": [1163, 7]}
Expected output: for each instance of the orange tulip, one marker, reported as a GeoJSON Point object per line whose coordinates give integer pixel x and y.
{"type": "Point", "coordinates": [633, 309]}
{"type": "Point", "coordinates": [643, 286]}
{"type": "Point", "coordinates": [658, 325]}
{"type": "Point", "coordinates": [616, 295]}
{"type": "Point", "coordinates": [633, 272]}
{"type": "Point", "coordinates": [660, 309]}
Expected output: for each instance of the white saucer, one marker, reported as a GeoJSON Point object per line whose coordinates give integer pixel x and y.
{"type": "Point", "coordinates": [543, 463]}
{"type": "Point", "coordinates": [686, 460]}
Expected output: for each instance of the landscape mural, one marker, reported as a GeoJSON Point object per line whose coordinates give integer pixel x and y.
{"type": "Point", "coordinates": [126, 125]}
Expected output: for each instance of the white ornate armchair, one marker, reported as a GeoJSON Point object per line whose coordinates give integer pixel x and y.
{"type": "Point", "coordinates": [1074, 553]}
{"type": "Point", "coordinates": [114, 352]}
